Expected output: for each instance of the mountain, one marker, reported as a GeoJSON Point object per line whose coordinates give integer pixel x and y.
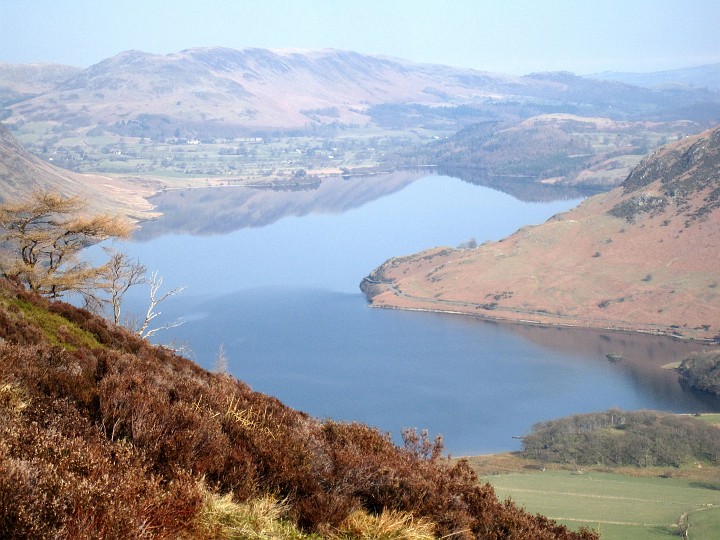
{"type": "Point", "coordinates": [107, 436]}
{"type": "Point", "coordinates": [250, 88]}
{"type": "Point", "coordinates": [216, 91]}
{"type": "Point", "coordinates": [19, 82]}
{"type": "Point", "coordinates": [22, 172]}
{"type": "Point", "coordinates": [707, 76]}
{"type": "Point", "coordinates": [642, 257]}
{"type": "Point", "coordinates": [257, 114]}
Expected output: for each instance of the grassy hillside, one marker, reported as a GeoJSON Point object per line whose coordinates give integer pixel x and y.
{"type": "Point", "coordinates": [104, 436]}
{"type": "Point", "coordinates": [642, 257]}
{"type": "Point", "coordinates": [554, 149]}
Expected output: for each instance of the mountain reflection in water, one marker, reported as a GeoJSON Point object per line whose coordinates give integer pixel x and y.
{"type": "Point", "coordinates": [274, 280]}
{"type": "Point", "coordinates": [205, 211]}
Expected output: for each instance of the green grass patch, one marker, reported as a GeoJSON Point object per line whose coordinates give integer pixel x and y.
{"type": "Point", "coordinates": [245, 157]}
{"type": "Point", "coordinates": [710, 418]}
{"type": "Point", "coordinates": [704, 523]}
{"type": "Point", "coordinates": [56, 328]}
{"type": "Point", "coordinates": [617, 506]}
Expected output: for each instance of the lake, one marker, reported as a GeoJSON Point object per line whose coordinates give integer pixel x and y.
{"type": "Point", "coordinates": [272, 277]}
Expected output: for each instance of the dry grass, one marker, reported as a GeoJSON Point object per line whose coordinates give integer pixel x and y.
{"type": "Point", "coordinates": [264, 518]}
{"type": "Point", "coordinates": [13, 400]}
{"type": "Point", "coordinates": [389, 525]}
{"type": "Point", "coordinates": [511, 462]}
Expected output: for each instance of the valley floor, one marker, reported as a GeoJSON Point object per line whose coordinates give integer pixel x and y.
{"type": "Point", "coordinates": [619, 503]}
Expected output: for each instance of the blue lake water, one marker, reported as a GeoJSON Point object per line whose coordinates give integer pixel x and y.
{"type": "Point", "coordinates": [273, 276]}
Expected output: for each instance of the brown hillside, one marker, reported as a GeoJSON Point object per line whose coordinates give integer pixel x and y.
{"type": "Point", "coordinates": [220, 90]}
{"type": "Point", "coordinates": [103, 435]}
{"type": "Point", "coordinates": [643, 257]}
{"type": "Point", "coordinates": [21, 173]}
{"type": "Point", "coordinates": [254, 88]}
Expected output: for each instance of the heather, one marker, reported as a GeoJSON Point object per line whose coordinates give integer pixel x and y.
{"type": "Point", "coordinates": [103, 435]}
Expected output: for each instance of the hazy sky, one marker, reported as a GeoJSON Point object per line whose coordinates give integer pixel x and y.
{"type": "Point", "coordinates": [511, 36]}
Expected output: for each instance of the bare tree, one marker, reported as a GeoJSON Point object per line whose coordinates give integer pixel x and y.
{"type": "Point", "coordinates": [42, 239]}
{"type": "Point", "coordinates": [121, 273]}
{"type": "Point", "coordinates": [155, 282]}
{"type": "Point", "coordinates": [221, 360]}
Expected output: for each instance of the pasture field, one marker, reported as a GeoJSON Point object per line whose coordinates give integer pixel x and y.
{"type": "Point", "coordinates": [232, 160]}
{"type": "Point", "coordinates": [712, 418]}
{"type": "Point", "coordinates": [618, 506]}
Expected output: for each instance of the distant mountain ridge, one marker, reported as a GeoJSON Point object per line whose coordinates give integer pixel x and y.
{"type": "Point", "coordinates": [19, 82]}
{"type": "Point", "coordinates": [219, 88]}
{"type": "Point", "coordinates": [137, 114]}
{"type": "Point", "coordinates": [707, 76]}
{"type": "Point", "coordinates": [250, 87]}
{"type": "Point", "coordinates": [642, 257]}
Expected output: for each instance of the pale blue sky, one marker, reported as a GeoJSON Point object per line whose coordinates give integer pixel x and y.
{"type": "Point", "coordinates": [511, 36]}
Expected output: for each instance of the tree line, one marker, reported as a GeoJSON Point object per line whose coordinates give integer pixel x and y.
{"type": "Point", "coordinates": [702, 372]}
{"type": "Point", "coordinates": [622, 438]}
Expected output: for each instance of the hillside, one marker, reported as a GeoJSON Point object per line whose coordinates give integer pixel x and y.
{"type": "Point", "coordinates": [244, 116]}
{"type": "Point", "coordinates": [642, 257]}
{"type": "Point", "coordinates": [21, 173]}
{"type": "Point", "coordinates": [210, 89]}
{"type": "Point", "coordinates": [216, 91]}
{"type": "Point", "coordinates": [19, 82]}
{"type": "Point", "coordinates": [103, 435]}
{"type": "Point", "coordinates": [552, 149]}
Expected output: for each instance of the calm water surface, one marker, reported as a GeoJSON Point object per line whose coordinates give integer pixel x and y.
{"type": "Point", "coordinates": [273, 276]}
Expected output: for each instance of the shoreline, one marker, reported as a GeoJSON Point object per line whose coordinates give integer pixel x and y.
{"type": "Point", "coordinates": [545, 324]}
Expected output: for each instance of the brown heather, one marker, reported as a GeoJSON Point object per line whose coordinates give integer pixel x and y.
{"type": "Point", "coordinates": [104, 436]}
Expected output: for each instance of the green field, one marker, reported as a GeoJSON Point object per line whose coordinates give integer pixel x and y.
{"type": "Point", "coordinates": [618, 506]}
{"type": "Point", "coordinates": [220, 158]}
{"type": "Point", "coordinates": [712, 418]}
